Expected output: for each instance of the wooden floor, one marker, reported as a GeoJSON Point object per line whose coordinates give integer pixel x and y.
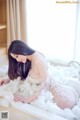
{"type": "Point", "coordinates": [15, 114]}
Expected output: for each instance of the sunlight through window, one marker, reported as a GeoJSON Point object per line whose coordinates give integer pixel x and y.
{"type": "Point", "coordinates": [51, 28]}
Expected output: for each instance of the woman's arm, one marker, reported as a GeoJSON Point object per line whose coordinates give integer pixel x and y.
{"type": "Point", "coordinates": [18, 97]}
{"type": "Point", "coordinates": [35, 96]}
{"type": "Point", "coordinates": [42, 68]}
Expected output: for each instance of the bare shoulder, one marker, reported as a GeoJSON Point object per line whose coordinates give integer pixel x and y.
{"type": "Point", "coordinates": [40, 59]}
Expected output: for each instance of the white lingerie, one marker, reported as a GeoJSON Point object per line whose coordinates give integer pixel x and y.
{"type": "Point", "coordinates": [29, 86]}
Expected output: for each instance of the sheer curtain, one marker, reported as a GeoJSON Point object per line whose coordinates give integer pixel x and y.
{"type": "Point", "coordinates": [51, 28]}
{"type": "Point", "coordinates": [16, 20]}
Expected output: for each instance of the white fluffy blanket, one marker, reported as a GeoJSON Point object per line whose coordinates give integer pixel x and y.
{"type": "Point", "coordinates": [64, 75]}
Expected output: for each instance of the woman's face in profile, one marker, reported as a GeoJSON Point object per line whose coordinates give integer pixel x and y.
{"type": "Point", "coordinates": [19, 58]}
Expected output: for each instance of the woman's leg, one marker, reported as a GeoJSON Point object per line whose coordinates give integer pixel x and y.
{"type": "Point", "coordinates": [64, 96]}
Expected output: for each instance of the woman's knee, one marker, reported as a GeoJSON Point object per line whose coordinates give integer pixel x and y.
{"type": "Point", "coordinates": [67, 104]}
{"type": "Point", "coordinates": [64, 105]}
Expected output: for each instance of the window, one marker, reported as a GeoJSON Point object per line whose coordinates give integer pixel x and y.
{"type": "Point", "coordinates": [51, 28]}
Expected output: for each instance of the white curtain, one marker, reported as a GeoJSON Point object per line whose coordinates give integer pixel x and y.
{"type": "Point", "coordinates": [16, 21]}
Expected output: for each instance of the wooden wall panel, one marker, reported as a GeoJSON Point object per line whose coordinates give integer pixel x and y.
{"type": "Point", "coordinates": [3, 12]}
{"type": "Point", "coordinates": [3, 21]}
{"type": "Point", "coordinates": [3, 36]}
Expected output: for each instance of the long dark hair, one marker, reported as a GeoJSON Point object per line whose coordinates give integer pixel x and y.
{"type": "Point", "coordinates": [17, 69]}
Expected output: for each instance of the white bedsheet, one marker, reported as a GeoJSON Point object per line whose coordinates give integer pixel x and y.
{"type": "Point", "coordinates": [43, 108]}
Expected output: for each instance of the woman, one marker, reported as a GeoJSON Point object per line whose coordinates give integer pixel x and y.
{"type": "Point", "coordinates": [31, 65]}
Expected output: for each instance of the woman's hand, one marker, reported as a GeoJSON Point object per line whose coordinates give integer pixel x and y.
{"type": "Point", "coordinates": [19, 98]}
{"type": "Point", "coordinates": [4, 81]}
{"type": "Point", "coordinates": [1, 82]}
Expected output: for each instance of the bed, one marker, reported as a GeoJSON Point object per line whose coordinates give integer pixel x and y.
{"type": "Point", "coordinates": [41, 109]}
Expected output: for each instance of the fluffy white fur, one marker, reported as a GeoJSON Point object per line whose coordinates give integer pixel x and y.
{"type": "Point", "coordinates": [63, 75]}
